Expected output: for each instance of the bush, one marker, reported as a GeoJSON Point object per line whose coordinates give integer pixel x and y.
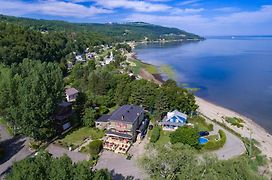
{"type": "Point", "coordinates": [155, 134]}
{"type": "Point", "coordinates": [185, 135]}
{"type": "Point", "coordinates": [35, 144]}
{"type": "Point", "coordinates": [235, 121]}
{"type": "Point", "coordinates": [214, 145]}
{"type": "Point", "coordinates": [93, 148]}
{"type": "Point", "coordinates": [210, 127]}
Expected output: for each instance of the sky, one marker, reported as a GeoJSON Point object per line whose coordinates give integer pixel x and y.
{"type": "Point", "coordinates": [203, 17]}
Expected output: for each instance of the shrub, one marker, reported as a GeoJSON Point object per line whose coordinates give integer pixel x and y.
{"type": "Point", "coordinates": [213, 145]}
{"type": "Point", "coordinates": [155, 134]}
{"type": "Point", "coordinates": [235, 121]}
{"type": "Point", "coordinates": [94, 147]}
{"type": "Point", "coordinates": [185, 135]}
{"type": "Point", "coordinates": [210, 127]}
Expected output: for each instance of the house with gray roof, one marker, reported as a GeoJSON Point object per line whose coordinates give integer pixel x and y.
{"type": "Point", "coordinates": [71, 94]}
{"type": "Point", "coordinates": [123, 122]}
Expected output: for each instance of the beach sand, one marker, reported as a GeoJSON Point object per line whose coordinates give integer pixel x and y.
{"type": "Point", "coordinates": [258, 133]}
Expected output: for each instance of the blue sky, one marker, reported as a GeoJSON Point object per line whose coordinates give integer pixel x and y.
{"type": "Point", "coordinates": [203, 17]}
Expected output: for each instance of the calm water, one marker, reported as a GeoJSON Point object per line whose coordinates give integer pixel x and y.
{"type": "Point", "coordinates": [234, 73]}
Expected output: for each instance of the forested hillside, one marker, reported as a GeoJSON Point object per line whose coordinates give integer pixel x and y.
{"type": "Point", "coordinates": [17, 43]}
{"type": "Point", "coordinates": [118, 32]}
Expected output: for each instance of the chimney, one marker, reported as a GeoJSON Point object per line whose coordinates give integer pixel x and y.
{"type": "Point", "coordinates": [123, 117]}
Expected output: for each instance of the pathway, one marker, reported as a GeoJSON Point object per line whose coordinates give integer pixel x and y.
{"type": "Point", "coordinates": [86, 142]}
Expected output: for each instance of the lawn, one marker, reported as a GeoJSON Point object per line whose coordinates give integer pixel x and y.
{"type": "Point", "coordinates": [200, 123]}
{"type": "Point", "coordinates": [164, 137]}
{"type": "Point", "coordinates": [137, 65]}
{"type": "Point", "coordinates": [76, 138]}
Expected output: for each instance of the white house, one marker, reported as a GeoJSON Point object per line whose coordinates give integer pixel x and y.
{"type": "Point", "coordinates": [173, 120]}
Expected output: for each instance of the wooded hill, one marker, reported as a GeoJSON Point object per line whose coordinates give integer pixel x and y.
{"type": "Point", "coordinates": [118, 32]}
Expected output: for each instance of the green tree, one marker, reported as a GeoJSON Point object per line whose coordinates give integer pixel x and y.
{"type": "Point", "coordinates": [185, 135]}
{"type": "Point", "coordinates": [44, 166]}
{"type": "Point", "coordinates": [32, 93]}
{"type": "Point", "coordinates": [89, 117]}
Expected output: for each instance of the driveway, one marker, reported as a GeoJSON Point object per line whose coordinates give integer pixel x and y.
{"type": "Point", "coordinates": [119, 166]}
{"type": "Point", "coordinates": [16, 149]}
{"type": "Point", "coordinates": [58, 151]}
{"type": "Point", "coordinates": [233, 147]}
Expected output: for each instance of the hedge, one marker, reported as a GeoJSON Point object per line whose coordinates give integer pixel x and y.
{"type": "Point", "coordinates": [214, 145]}
{"type": "Point", "coordinates": [155, 134]}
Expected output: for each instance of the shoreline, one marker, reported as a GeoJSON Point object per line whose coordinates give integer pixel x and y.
{"type": "Point", "coordinates": [217, 112]}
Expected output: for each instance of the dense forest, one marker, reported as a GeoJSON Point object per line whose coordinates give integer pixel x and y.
{"type": "Point", "coordinates": [18, 42]}
{"type": "Point", "coordinates": [135, 31]}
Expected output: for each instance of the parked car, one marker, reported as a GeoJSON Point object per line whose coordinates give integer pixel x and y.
{"type": "Point", "coordinates": [203, 133]}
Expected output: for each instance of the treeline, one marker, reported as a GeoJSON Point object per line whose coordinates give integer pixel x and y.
{"type": "Point", "coordinates": [118, 32]}
{"type": "Point", "coordinates": [18, 42]}
{"type": "Point", "coordinates": [44, 166]}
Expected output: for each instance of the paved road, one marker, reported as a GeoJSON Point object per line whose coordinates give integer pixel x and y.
{"type": "Point", "coordinates": [233, 147]}
{"type": "Point", "coordinates": [58, 151]}
{"type": "Point", "coordinates": [16, 149]}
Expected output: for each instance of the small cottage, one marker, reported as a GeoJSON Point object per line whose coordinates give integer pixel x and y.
{"type": "Point", "coordinates": [71, 94]}
{"type": "Point", "coordinates": [173, 120]}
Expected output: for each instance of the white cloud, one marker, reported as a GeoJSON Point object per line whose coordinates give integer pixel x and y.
{"type": "Point", "coordinates": [179, 11]}
{"type": "Point", "coordinates": [140, 6]}
{"type": "Point", "coordinates": [227, 9]}
{"type": "Point", "coordinates": [244, 22]}
{"type": "Point", "coordinates": [50, 7]}
{"type": "Point", "coordinates": [189, 2]}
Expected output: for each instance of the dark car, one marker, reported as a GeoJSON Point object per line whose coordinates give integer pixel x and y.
{"type": "Point", "coordinates": [203, 133]}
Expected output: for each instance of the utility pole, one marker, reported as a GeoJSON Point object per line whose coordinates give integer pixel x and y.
{"type": "Point", "coordinates": [250, 145]}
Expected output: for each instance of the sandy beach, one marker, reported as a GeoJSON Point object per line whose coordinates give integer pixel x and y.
{"type": "Point", "coordinates": [258, 133]}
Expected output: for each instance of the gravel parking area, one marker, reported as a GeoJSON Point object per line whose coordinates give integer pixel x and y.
{"type": "Point", "coordinates": [120, 167]}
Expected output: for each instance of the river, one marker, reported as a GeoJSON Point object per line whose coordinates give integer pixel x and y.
{"type": "Point", "coordinates": [234, 72]}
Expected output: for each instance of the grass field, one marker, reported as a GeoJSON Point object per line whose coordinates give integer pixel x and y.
{"type": "Point", "coordinates": [164, 137]}
{"type": "Point", "coordinates": [77, 137]}
{"type": "Point", "coordinates": [137, 65]}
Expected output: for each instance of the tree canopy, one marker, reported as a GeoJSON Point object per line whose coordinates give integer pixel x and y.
{"type": "Point", "coordinates": [44, 167]}
{"type": "Point", "coordinates": [180, 161]}
{"type": "Point", "coordinates": [29, 94]}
